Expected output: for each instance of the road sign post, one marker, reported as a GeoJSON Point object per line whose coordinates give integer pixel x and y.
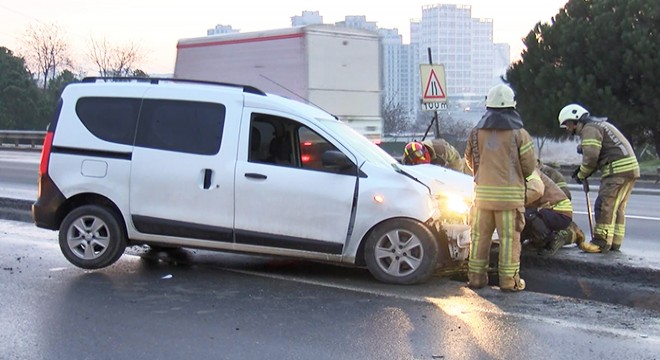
{"type": "Point", "coordinates": [433, 83]}
{"type": "Point", "coordinates": [434, 91]}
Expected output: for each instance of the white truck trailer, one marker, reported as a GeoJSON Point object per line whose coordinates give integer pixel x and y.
{"type": "Point", "coordinates": [334, 68]}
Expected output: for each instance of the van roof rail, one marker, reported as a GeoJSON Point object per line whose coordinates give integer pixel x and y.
{"type": "Point", "coordinates": [246, 88]}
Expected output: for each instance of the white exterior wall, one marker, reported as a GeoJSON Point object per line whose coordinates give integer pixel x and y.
{"type": "Point", "coordinates": [337, 69]}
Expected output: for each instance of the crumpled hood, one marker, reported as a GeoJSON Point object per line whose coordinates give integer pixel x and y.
{"type": "Point", "coordinates": [440, 179]}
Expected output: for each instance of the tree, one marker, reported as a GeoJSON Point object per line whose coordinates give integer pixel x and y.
{"type": "Point", "coordinates": [139, 73]}
{"type": "Point", "coordinates": [113, 60]}
{"type": "Point", "coordinates": [599, 53]}
{"type": "Point", "coordinates": [56, 86]}
{"type": "Point", "coordinates": [394, 119]}
{"type": "Point", "coordinates": [20, 99]}
{"type": "Point", "coordinates": [46, 51]}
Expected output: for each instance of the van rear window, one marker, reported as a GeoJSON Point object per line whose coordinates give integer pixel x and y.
{"type": "Point", "coordinates": [183, 126]}
{"type": "Point", "coordinates": [110, 118]}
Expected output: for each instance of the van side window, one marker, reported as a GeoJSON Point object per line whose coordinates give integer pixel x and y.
{"type": "Point", "coordinates": [182, 126]}
{"type": "Point", "coordinates": [110, 118]}
{"type": "Point", "coordinates": [312, 147]}
{"type": "Point", "coordinates": [261, 134]}
{"type": "Point", "coordinates": [271, 141]}
{"type": "Point", "coordinates": [285, 142]}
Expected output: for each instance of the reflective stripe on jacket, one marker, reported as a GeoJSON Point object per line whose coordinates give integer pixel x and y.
{"type": "Point", "coordinates": [604, 148]}
{"type": "Point", "coordinates": [553, 198]}
{"type": "Point", "coordinates": [500, 160]}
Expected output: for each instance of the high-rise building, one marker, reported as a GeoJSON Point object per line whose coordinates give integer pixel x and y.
{"type": "Point", "coordinates": [482, 56]}
{"type": "Point", "coordinates": [400, 74]}
{"type": "Point", "coordinates": [501, 60]}
{"type": "Point", "coordinates": [464, 45]}
{"type": "Point", "coordinates": [221, 29]}
{"type": "Point", "coordinates": [307, 18]}
{"type": "Point", "coordinates": [357, 22]}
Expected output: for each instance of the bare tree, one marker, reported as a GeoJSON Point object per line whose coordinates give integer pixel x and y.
{"type": "Point", "coordinates": [115, 60]}
{"type": "Point", "coordinates": [394, 119]}
{"type": "Point", "coordinates": [455, 126]}
{"type": "Point", "coordinates": [46, 51]}
{"type": "Point", "coordinates": [540, 141]}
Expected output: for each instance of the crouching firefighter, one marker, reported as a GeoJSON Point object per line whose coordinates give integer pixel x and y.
{"type": "Point", "coordinates": [500, 154]}
{"type": "Point", "coordinates": [434, 151]}
{"type": "Point", "coordinates": [548, 215]}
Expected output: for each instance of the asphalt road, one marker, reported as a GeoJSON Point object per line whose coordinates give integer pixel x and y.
{"type": "Point", "coordinates": [642, 221]}
{"type": "Point", "coordinates": [213, 305]}
{"type": "Point", "coordinates": [197, 304]}
{"type": "Point", "coordinates": [19, 174]}
{"type": "Point", "coordinates": [18, 179]}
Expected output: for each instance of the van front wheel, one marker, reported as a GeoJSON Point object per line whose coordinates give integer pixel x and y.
{"type": "Point", "coordinates": [401, 251]}
{"type": "Point", "coordinates": [91, 237]}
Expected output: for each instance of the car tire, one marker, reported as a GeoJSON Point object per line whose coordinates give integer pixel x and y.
{"type": "Point", "coordinates": [401, 251]}
{"type": "Point", "coordinates": [91, 238]}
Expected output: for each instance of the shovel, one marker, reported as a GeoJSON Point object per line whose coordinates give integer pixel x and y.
{"type": "Point", "coordinates": [585, 187]}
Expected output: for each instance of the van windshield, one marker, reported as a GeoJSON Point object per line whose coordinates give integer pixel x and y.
{"type": "Point", "coordinates": [369, 150]}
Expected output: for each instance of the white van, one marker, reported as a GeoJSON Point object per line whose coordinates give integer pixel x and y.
{"type": "Point", "coordinates": [171, 162]}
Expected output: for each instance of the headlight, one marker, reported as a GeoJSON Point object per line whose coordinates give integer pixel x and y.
{"type": "Point", "coordinates": [456, 204]}
{"type": "Point", "coordinates": [455, 208]}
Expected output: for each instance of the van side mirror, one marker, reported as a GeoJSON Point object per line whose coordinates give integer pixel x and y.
{"type": "Point", "coordinates": [335, 159]}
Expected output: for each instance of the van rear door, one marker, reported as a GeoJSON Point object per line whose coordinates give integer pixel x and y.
{"type": "Point", "coordinates": [182, 173]}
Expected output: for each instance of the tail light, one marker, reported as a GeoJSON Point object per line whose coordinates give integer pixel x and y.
{"type": "Point", "coordinates": [45, 153]}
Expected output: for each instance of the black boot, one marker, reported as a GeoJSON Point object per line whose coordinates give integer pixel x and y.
{"type": "Point", "coordinates": [557, 240]}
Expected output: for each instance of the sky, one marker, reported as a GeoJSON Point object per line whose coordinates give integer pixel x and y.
{"type": "Point", "coordinates": [156, 25]}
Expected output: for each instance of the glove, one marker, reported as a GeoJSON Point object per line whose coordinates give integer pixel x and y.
{"type": "Point", "coordinates": [579, 149]}
{"type": "Point", "coordinates": [576, 177]}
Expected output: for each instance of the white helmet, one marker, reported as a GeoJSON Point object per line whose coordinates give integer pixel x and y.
{"type": "Point", "coordinates": [500, 96]}
{"type": "Point", "coordinates": [571, 112]}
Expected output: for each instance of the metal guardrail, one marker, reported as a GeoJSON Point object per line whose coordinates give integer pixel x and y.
{"type": "Point", "coordinates": [17, 138]}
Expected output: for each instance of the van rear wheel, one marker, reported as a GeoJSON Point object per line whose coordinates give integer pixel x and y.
{"type": "Point", "coordinates": [401, 251]}
{"type": "Point", "coordinates": [91, 237]}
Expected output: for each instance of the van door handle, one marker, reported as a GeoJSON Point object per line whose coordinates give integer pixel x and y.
{"type": "Point", "coordinates": [207, 178]}
{"type": "Point", "coordinates": [256, 176]}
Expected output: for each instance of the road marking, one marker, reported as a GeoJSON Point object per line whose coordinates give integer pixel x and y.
{"type": "Point", "coordinates": [456, 306]}
{"type": "Point", "coordinates": [627, 216]}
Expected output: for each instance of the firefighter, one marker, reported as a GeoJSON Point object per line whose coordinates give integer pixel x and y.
{"type": "Point", "coordinates": [556, 177]}
{"type": "Point", "coordinates": [548, 215]}
{"type": "Point", "coordinates": [604, 148]}
{"type": "Point", "coordinates": [576, 235]}
{"type": "Point", "coordinates": [500, 155]}
{"type": "Point", "coordinates": [434, 151]}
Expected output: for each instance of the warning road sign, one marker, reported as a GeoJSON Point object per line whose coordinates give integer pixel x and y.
{"type": "Point", "coordinates": [433, 83]}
